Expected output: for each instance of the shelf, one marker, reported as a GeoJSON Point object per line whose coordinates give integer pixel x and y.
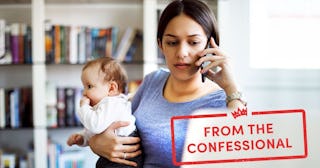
{"type": "Point", "coordinates": [72, 1]}
{"type": "Point", "coordinates": [140, 14]}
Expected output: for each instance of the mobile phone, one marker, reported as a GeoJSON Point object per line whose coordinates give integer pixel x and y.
{"type": "Point", "coordinates": [203, 76]}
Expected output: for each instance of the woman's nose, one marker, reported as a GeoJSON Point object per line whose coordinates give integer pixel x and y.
{"type": "Point", "coordinates": [182, 51]}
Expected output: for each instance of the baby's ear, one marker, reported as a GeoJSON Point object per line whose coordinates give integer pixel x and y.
{"type": "Point", "coordinates": [113, 88]}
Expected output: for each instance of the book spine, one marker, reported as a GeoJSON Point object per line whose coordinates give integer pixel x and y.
{"type": "Point", "coordinates": [57, 47]}
{"type": "Point", "coordinates": [25, 107]}
{"type": "Point", "coordinates": [49, 40]}
{"type": "Point", "coordinates": [51, 105]}
{"type": "Point", "coordinates": [22, 34]}
{"type": "Point", "coordinates": [82, 45]}
{"type": "Point", "coordinates": [78, 96]}
{"type": "Point", "coordinates": [70, 106]}
{"type": "Point", "coordinates": [2, 38]}
{"type": "Point", "coordinates": [88, 42]}
{"type": "Point", "coordinates": [61, 107]}
{"type": "Point", "coordinates": [2, 108]}
{"type": "Point", "coordinates": [7, 108]}
{"type": "Point", "coordinates": [62, 44]}
{"type": "Point", "coordinates": [73, 57]}
{"type": "Point", "coordinates": [109, 43]}
{"type": "Point", "coordinates": [28, 46]}
{"type": "Point", "coordinates": [14, 108]}
{"type": "Point", "coordinates": [14, 42]}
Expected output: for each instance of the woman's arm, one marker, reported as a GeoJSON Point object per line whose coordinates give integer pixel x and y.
{"type": "Point", "coordinates": [114, 148]}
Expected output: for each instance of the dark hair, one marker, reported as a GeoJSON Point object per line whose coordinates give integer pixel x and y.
{"type": "Point", "coordinates": [112, 70]}
{"type": "Point", "coordinates": [197, 10]}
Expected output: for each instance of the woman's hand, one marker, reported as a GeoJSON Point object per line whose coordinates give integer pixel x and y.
{"type": "Point", "coordinates": [220, 61]}
{"type": "Point", "coordinates": [223, 77]}
{"type": "Point", "coordinates": [116, 149]}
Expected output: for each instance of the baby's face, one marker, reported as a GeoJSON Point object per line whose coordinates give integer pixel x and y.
{"type": "Point", "coordinates": [94, 86]}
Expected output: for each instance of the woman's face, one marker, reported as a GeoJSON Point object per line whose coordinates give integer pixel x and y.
{"type": "Point", "coordinates": [182, 41]}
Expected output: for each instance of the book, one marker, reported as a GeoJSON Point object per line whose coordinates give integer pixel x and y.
{"type": "Point", "coordinates": [114, 37]}
{"type": "Point", "coordinates": [125, 44]}
{"type": "Point", "coordinates": [73, 44]}
{"type": "Point", "coordinates": [2, 108]}
{"type": "Point", "coordinates": [28, 45]}
{"type": "Point", "coordinates": [14, 108]}
{"type": "Point", "coordinates": [72, 159]}
{"type": "Point", "coordinates": [7, 94]}
{"type": "Point", "coordinates": [99, 42]}
{"type": "Point", "coordinates": [2, 38]}
{"type": "Point", "coordinates": [49, 47]}
{"type": "Point", "coordinates": [70, 106]}
{"type": "Point", "coordinates": [61, 107]}
{"type": "Point", "coordinates": [22, 34]}
{"type": "Point", "coordinates": [88, 53]}
{"type": "Point", "coordinates": [57, 44]}
{"type": "Point", "coordinates": [78, 96]}
{"type": "Point", "coordinates": [8, 160]}
{"type": "Point", "coordinates": [82, 45]}
{"type": "Point", "coordinates": [54, 151]}
{"type": "Point", "coordinates": [14, 42]}
{"type": "Point", "coordinates": [135, 51]}
{"type": "Point", "coordinates": [25, 107]}
{"type": "Point", "coordinates": [63, 43]}
{"type": "Point", "coordinates": [51, 105]}
{"type": "Point", "coordinates": [7, 57]}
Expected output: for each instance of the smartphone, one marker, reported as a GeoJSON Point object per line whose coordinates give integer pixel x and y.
{"type": "Point", "coordinates": [203, 76]}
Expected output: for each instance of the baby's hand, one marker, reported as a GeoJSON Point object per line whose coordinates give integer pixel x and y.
{"type": "Point", "coordinates": [75, 139]}
{"type": "Point", "coordinates": [84, 100]}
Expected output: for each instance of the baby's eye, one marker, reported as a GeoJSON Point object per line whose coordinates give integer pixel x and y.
{"type": "Point", "coordinates": [89, 86]}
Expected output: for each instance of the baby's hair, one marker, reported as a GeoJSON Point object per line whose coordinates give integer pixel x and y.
{"type": "Point", "coordinates": [112, 70]}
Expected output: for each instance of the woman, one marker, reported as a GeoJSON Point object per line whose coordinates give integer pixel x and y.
{"type": "Point", "coordinates": [185, 29]}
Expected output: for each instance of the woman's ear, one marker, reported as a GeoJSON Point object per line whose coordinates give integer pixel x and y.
{"type": "Point", "coordinates": [113, 88]}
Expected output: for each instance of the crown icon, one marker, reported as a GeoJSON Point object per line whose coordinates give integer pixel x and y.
{"type": "Point", "coordinates": [240, 112]}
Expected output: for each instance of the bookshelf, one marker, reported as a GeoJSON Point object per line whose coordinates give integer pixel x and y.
{"type": "Point", "coordinates": [140, 14]}
{"type": "Point", "coordinates": [94, 13]}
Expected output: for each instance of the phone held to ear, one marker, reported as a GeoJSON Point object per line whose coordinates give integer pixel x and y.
{"type": "Point", "coordinates": [203, 75]}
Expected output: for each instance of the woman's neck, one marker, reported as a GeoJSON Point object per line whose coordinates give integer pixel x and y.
{"type": "Point", "coordinates": [184, 91]}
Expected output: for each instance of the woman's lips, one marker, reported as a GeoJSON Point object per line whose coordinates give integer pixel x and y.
{"type": "Point", "coordinates": [182, 66]}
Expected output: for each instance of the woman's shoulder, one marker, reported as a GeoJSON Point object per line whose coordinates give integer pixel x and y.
{"type": "Point", "coordinates": [157, 76]}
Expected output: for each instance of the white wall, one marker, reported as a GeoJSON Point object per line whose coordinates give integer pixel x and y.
{"type": "Point", "coordinates": [267, 89]}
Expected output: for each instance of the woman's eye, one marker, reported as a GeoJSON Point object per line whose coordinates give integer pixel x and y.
{"type": "Point", "coordinates": [194, 42]}
{"type": "Point", "coordinates": [171, 43]}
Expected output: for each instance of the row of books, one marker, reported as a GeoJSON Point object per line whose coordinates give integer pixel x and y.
{"type": "Point", "coordinates": [13, 160]}
{"type": "Point", "coordinates": [66, 44]}
{"type": "Point", "coordinates": [15, 43]}
{"type": "Point", "coordinates": [78, 44]}
{"type": "Point", "coordinates": [62, 104]}
{"type": "Point", "coordinates": [59, 158]}
{"type": "Point", "coordinates": [16, 107]}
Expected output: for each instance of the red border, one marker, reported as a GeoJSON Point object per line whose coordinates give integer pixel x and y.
{"type": "Point", "coordinates": [175, 162]}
